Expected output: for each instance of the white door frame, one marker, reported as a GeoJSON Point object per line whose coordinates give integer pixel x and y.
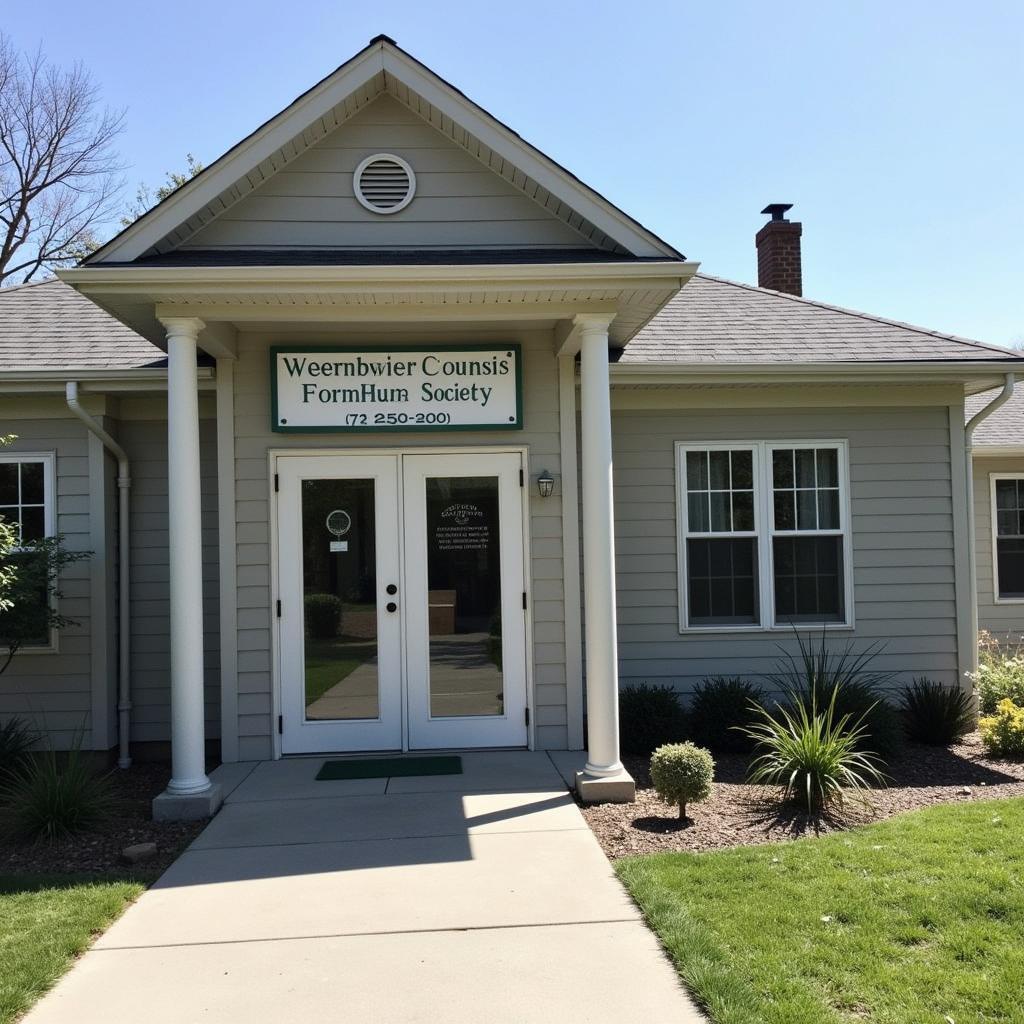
{"type": "Point", "coordinates": [273, 454]}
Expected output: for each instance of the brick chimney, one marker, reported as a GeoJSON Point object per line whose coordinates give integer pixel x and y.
{"type": "Point", "coordinates": [778, 251]}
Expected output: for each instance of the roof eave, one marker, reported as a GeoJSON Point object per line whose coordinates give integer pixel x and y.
{"type": "Point", "coordinates": [965, 371]}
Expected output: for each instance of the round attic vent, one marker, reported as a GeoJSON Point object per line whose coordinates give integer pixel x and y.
{"type": "Point", "coordinates": [384, 183]}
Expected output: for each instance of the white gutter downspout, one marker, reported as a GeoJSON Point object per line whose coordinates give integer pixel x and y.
{"type": "Point", "coordinates": [981, 414]}
{"type": "Point", "coordinates": [124, 484]}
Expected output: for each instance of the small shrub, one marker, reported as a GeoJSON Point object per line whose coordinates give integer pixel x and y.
{"type": "Point", "coordinates": [53, 795]}
{"type": "Point", "coordinates": [1000, 674]}
{"type": "Point", "coordinates": [649, 716]}
{"type": "Point", "coordinates": [1003, 732]}
{"type": "Point", "coordinates": [719, 712]}
{"type": "Point", "coordinates": [16, 740]}
{"type": "Point", "coordinates": [323, 616]}
{"type": "Point", "coordinates": [682, 773]}
{"type": "Point", "coordinates": [936, 714]}
{"type": "Point", "coordinates": [813, 753]}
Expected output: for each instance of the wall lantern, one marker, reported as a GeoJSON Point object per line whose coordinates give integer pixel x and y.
{"type": "Point", "coordinates": [545, 484]}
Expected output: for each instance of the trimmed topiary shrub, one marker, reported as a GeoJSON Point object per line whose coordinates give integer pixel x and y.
{"type": "Point", "coordinates": [813, 752]}
{"type": "Point", "coordinates": [721, 708]}
{"type": "Point", "coordinates": [936, 714]}
{"type": "Point", "coordinates": [682, 774]}
{"type": "Point", "coordinates": [1003, 732]}
{"type": "Point", "coordinates": [649, 716]}
{"type": "Point", "coordinates": [323, 616]}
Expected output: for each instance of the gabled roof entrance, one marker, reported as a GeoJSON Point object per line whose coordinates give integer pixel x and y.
{"type": "Point", "coordinates": [289, 184]}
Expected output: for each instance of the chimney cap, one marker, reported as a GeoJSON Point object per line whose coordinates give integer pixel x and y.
{"type": "Point", "coordinates": [778, 210]}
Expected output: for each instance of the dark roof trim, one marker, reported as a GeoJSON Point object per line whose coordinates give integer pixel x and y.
{"type": "Point", "coordinates": [377, 257]}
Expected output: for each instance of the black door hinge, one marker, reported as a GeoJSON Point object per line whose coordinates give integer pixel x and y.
{"type": "Point", "coordinates": [277, 483]}
{"type": "Point", "coordinates": [280, 725]}
{"type": "Point", "coordinates": [522, 478]}
{"type": "Point", "coordinates": [279, 608]}
{"type": "Point", "coordinates": [524, 600]}
{"type": "Point", "coordinates": [527, 715]}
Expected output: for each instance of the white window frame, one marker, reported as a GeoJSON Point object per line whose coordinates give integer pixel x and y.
{"type": "Point", "coordinates": [993, 478]}
{"type": "Point", "coordinates": [764, 531]}
{"type": "Point", "coordinates": [49, 461]}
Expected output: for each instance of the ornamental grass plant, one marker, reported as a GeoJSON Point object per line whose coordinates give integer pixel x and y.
{"type": "Point", "coordinates": [935, 714]}
{"type": "Point", "coordinates": [51, 795]}
{"type": "Point", "coordinates": [813, 753]}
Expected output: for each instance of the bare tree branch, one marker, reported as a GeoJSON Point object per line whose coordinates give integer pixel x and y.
{"type": "Point", "coordinates": [60, 176]}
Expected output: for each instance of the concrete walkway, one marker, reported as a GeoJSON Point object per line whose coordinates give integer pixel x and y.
{"type": "Point", "coordinates": [441, 900]}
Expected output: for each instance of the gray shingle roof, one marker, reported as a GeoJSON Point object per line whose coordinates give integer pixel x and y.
{"type": "Point", "coordinates": [716, 321]}
{"type": "Point", "coordinates": [49, 326]}
{"type": "Point", "coordinates": [1005, 427]}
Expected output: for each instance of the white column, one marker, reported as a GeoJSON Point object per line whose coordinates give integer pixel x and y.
{"type": "Point", "coordinates": [188, 735]}
{"type": "Point", "coordinates": [598, 550]}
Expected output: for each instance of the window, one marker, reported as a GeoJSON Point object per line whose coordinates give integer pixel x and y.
{"type": "Point", "coordinates": [1008, 536]}
{"type": "Point", "coordinates": [764, 534]}
{"type": "Point", "coordinates": [721, 539]}
{"type": "Point", "coordinates": [807, 541]}
{"type": "Point", "coordinates": [26, 501]}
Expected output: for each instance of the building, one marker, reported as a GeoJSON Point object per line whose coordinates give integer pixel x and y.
{"type": "Point", "coordinates": [396, 351]}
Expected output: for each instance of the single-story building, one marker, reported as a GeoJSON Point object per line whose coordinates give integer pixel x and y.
{"type": "Point", "coordinates": [338, 420]}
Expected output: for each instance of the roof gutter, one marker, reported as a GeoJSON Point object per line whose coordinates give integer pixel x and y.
{"type": "Point", "coordinates": [982, 414]}
{"type": "Point", "coordinates": [124, 484]}
{"type": "Point", "coordinates": [824, 372]}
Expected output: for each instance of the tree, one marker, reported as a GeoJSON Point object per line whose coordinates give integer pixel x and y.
{"type": "Point", "coordinates": [145, 199]}
{"type": "Point", "coordinates": [30, 585]}
{"type": "Point", "coordinates": [59, 172]}
{"type": "Point", "coordinates": [31, 590]}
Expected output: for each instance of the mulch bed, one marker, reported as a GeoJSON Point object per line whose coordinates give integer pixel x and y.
{"type": "Point", "coordinates": [740, 815]}
{"type": "Point", "coordinates": [99, 852]}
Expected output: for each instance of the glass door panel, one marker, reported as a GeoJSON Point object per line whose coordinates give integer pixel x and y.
{"type": "Point", "coordinates": [340, 622]}
{"type": "Point", "coordinates": [464, 596]}
{"type": "Point", "coordinates": [465, 623]}
{"type": "Point", "coordinates": [339, 599]}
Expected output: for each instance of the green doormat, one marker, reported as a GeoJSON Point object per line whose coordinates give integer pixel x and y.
{"type": "Point", "coordinates": [382, 767]}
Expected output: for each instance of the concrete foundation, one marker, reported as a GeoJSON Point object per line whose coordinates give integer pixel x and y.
{"type": "Point", "coordinates": [195, 806]}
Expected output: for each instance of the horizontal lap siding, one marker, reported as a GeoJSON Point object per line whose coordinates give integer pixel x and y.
{"type": "Point", "coordinates": [146, 444]}
{"type": "Point", "coordinates": [1003, 620]}
{"type": "Point", "coordinates": [458, 203]}
{"type": "Point", "coordinates": [902, 521]}
{"type": "Point", "coordinates": [253, 543]}
{"type": "Point", "coordinates": [53, 691]}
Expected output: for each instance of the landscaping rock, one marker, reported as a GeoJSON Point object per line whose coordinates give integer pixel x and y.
{"type": "Point", "coordinates": [138, 853]}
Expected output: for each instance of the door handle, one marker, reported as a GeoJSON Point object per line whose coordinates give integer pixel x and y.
{"type": "Point", "coordinates": [391, 606]}
{"type": "Point", "coordinates": [391, 589]}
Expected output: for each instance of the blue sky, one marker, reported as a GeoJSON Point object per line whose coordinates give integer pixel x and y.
{"type": "Point", "coordinates": [894, 127]}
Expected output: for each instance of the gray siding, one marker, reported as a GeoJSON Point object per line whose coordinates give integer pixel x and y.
{"type": "Point", "coordinates": [1001, 619]}
{"type": "Point", "coordinates": [53, 691]}
{"type": "Point", "coordinates": [459, 203]}
{"type": "Point", "coordinates": [253, 440]}
{"type": "Point", "coordinates": [902, 521]}
{"type": "Point", "coordinates": [145, 441]}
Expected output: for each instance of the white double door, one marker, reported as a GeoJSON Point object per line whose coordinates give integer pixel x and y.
{"type": "Point", "coordinates": [402, 602]}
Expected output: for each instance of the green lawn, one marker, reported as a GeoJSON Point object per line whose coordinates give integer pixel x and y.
{"type": "Point", "coordinates": [328, 662]}
{"type": "Point", "coordinates": [44, 924]}
{"type": "Point", "coordinates": [915, 920]}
